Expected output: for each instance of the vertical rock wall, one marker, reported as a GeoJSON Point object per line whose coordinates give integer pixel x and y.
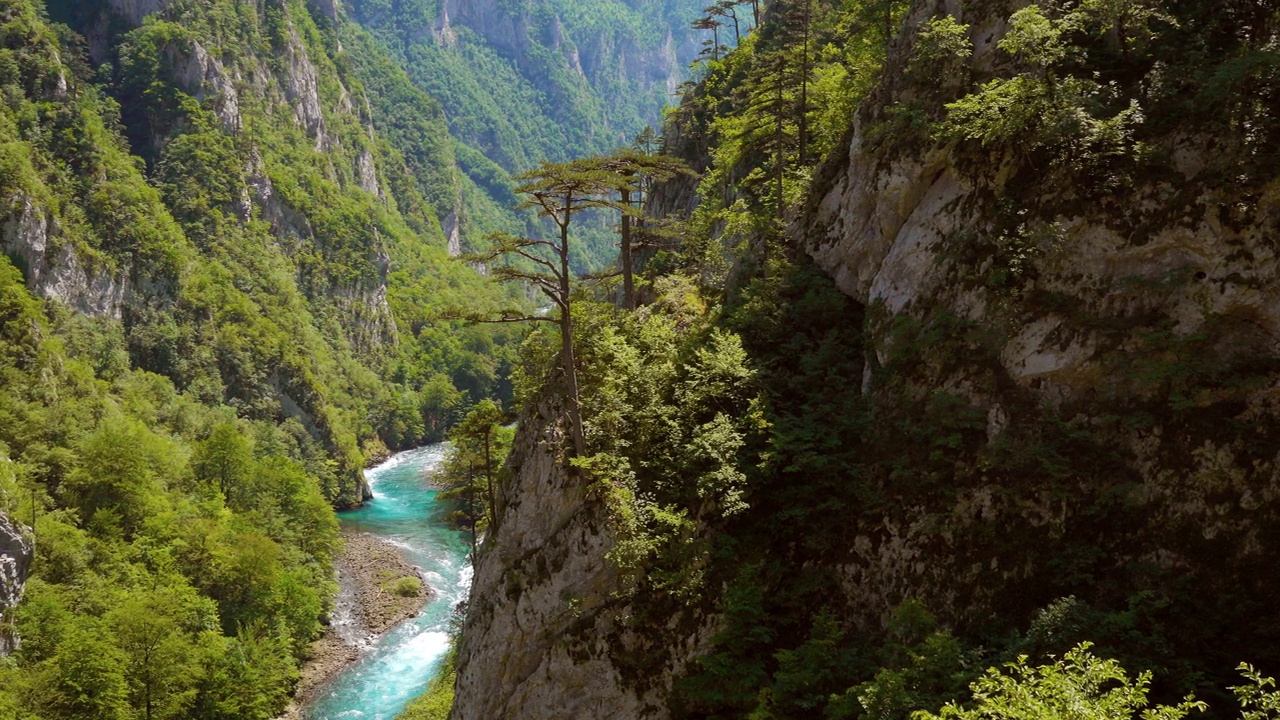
{"type": "Point", "coordinates": [15, 561]}
{"type": "Point", "coordinates": [546, 636]}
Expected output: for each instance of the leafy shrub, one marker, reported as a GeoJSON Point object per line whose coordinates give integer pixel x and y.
{"type": "Point", "coordinates": [405, 587]}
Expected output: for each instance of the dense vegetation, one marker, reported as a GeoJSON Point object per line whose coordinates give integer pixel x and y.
{"type": "Point", "coordinates": [250, 271]}
{"type": "Point", "coordinates": [277, 305]}
{"type": "Point", "coordinates": [244, 277]}
{"type": "Point", "coordinates": [183, 555]}
{"type": "Point", "coordinates": [532, 92]}
{"type": "Point", "coordinates": [745, 442]}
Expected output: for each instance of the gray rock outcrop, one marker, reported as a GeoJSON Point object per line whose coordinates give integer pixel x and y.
{"type": "Point", "coordinates": [15, 562]}
{"type": "Point", "coordinates": [546, 636]}
{"type": "Point", "coordinates": [1092, 307]}
{"type": "Point", "coordinates": [53, 269]}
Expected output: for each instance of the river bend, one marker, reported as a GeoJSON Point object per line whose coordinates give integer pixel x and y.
{"type": "Point", "coordinates": [404, 511]}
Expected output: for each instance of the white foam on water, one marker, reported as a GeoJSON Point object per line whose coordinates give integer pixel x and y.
{"type": "Point", "coordinates": [422, 649]}
{"type": "Point", "coordinates": [400, 663]}
{"type": "Point", "coordinates": [429, 457]}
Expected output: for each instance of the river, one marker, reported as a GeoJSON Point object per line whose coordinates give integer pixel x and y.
{"type": "Point", "coordinates": [404, 510]}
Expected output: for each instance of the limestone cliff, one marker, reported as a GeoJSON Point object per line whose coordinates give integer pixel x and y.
{"type": "Point", "coordinates": [15, 561]}
{"type": "Point", "coordinates": [1067, 370]}
{"type": "Point", "coordinates": [52, 266]}
{"type": "Point", "coordinates": [1155, 299]}
{"type": "Point", "coordinates": [546, 636]}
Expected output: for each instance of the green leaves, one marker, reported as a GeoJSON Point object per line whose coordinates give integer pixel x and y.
{"type": "Point", "coordinates": [1035, 38]}
{"type": "Point", "coordinates": [1086, 128]}
{"type": "Point", "coordinates": [84, 679]}
{"type": "Point", "coordinates": [1259, 698]}
{"type": "Point", "coordinates": [1079, 686]}
{"type": "Point", "coordinates": [942, 42]}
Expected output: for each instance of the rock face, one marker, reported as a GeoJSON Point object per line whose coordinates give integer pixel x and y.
{"type": "Point", "coordinates": [545, 636]}
{"type": "Point", "coordinates": [1116, 359]}
{"type": "Point", "coordinates": [511, 34]}
{"type": "Point", "coordinates": [1159, 301]}
{"type": "Point", "coordinates": [15, 561]}
{"type": "Point", "coordinates": [133, 11]}
{"type": "Point", "coordinates": [206, 79]}
{"type": "Point", "coordinates": [294, 87]}
{"type": "Point", "coordinates": [52, 267]}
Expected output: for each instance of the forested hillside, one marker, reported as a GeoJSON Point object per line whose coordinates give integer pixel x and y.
{"type": "Point", "coordinates": [524, 82]}
{"type": "Point", "coordinates": [226, 231]}
{"type": "Point", "coordinates": [924, 364]}
{"type": "Point", "coordinates": [963, 348]}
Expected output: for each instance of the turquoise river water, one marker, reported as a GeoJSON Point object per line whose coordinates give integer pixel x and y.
{"type": "Point", "coordinates": [404, 510]}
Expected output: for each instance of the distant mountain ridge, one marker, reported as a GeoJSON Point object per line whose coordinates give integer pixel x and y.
{"type": "Point", "coordinates": [540, 79]}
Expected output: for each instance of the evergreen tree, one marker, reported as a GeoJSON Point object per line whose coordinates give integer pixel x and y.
{"type": "Point", "coordinates": [632, 172]}
{"type": "Point", "coordinates": [558, 192]}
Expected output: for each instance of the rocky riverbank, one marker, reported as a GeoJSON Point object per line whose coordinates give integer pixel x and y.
{"type": "Point", "coordinates": [377, 591]}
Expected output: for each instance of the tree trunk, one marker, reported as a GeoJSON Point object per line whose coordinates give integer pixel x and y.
{"type": "Point", "coordinates": [628, 277]}
{"type": "Point", "coordinates": [804, 86]}
{"type": "Point", "coordinates": [780, 140]}
{"type": "Point", "coordinates": [471, 501]}
{"type": "Point", "coordinates": [888, 23]}
{"type": "Point", "coordinates": [566, 338]}
{"type": "Point", "coordinates": [488, 473]}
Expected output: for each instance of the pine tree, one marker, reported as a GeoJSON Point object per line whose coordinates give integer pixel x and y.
{"type": "Point", "coordinates": [632, 171]}
{"type": "Point", "coordinates": [558, 192]}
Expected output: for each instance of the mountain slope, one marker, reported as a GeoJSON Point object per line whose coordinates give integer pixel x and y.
{"type": "Point", "coordinates": [220, 294]}
{"type": "Point", "coordinates": [1004, 383]}
{"type": "Point", "coordinates": [524, 82]}
{"type": "Point", "coordinates": [539, 80]}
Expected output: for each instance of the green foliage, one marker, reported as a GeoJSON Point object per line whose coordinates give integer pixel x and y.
{"type": "Point", "coordinates": [475, 465]}
{"type": "Point", "coordinates": [1035, 38]}
{"type": "Point", "coordinates": [84, 677]}
{"type": "Point", "coordinates": [408, 587]}
{"type": "Point", "coordinates": [522, 107]}
{"type": "Point", "coordinates": [921, 665]}
{"type": "Point", "coordinates": [566, 82]}
{"type": "Point", "coordinates": [1258, 698]}
{"type": "Point", "coordinates": [821, 483]}
{"type": "Point", "coordinates": [1079, 685]}
{"type": "Point", "coordinates": [179, 464]}
{"type": "Point", "coordinates": [1078, 110]}
{"type": "Point", "coordinates": [941, 41]}
{"type": "Point", "coordinates": [765, 114]}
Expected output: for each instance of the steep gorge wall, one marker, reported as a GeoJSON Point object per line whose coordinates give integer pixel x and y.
{"type": "Point", "coordinates": [1141, 318]}
{"type": "Point", "coordinates": [261, 162]}
{"type": "Point", "coordinates": [15, 562]}
{"type": "Point", "coordinates": [546, 635]}
{"type": "Point", "coordinates": [581, 79]}
{"type": "Point", "coordinates": [1071, 378]}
